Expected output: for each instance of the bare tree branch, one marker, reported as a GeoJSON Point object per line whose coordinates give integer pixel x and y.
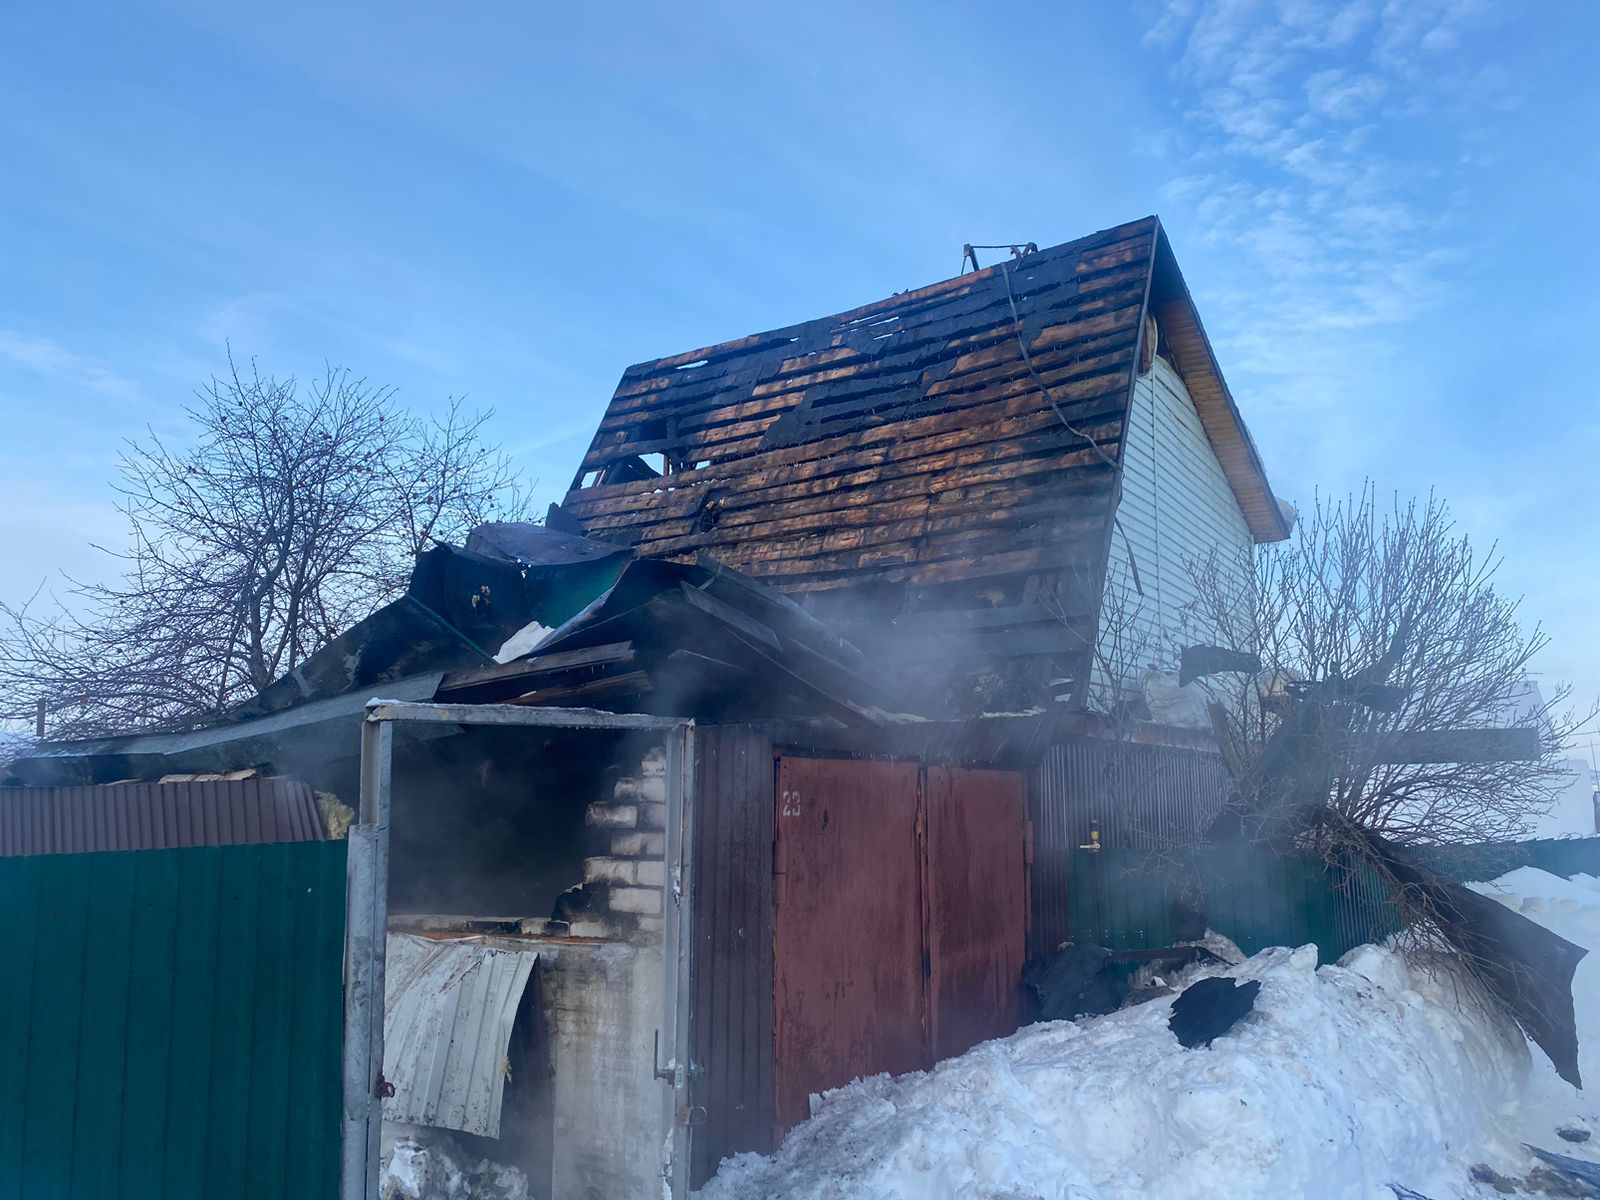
{"type": "Point", "coordinates": [1331, 601]}
{"type": "Point", "coordinates": [290, 514]}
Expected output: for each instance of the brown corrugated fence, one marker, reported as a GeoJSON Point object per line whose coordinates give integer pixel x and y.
{"type": "Point", "coordinates": [157, 816]}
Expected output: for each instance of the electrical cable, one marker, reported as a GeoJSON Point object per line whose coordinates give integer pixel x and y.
{"type": "Point", "coordinates": [1033, 372]}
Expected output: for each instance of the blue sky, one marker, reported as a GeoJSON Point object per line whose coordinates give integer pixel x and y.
{"type": "Point", "coordinates": [1383, 208]}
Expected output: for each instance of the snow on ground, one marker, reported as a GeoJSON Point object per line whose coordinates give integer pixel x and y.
{"type": "Point", "coordinates": [430, 1164]}
{"type": "Point", "coordinates": [1345, 1079]}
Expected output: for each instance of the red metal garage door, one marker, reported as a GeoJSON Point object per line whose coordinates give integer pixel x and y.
{"type": "Point", "coordinates": [977, 905]}
{"type": "Point", "coordinates": [846, 929]}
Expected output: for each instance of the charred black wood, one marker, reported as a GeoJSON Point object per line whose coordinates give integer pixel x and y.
{"type": "Point", "coordinates": [1197, 662]}
{"type": "Point", "coordinates": [1209, 1009]}
{"type": "Point", "coordinates": [1075, 981]}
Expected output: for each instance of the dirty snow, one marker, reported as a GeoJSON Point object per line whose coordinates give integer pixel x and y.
{"type": "Point", "coordinates": [429, 1164]}
{"type": "Point", "coordinates": [523, 641]}
{"type": "Point", "coordinates": [1346, 1078]}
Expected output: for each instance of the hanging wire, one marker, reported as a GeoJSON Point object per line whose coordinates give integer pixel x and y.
{"type": "Point", "coordinates": [1033, 372]}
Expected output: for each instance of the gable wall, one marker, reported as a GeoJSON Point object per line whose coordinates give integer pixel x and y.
{"type": "Point", "coordinates": [1176, 508]}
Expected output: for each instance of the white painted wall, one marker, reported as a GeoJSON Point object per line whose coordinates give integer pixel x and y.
{"type": "Point", "coordinates": [1176, 507]}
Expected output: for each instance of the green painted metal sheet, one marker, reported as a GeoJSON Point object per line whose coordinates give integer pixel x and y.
{"type": "Point", "coordinates": [170, 1023]}
{"type": "Point", "coordinates": [1123, 899]}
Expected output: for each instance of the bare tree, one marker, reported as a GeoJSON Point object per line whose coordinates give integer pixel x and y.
{"type": "Point", "coordinates": [290, 514]}
{"type": "Point", "coordinates": [1336, 599]}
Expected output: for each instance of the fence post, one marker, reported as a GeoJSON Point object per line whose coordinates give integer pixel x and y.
{"type": "Point", "coordinates": [366, 932]}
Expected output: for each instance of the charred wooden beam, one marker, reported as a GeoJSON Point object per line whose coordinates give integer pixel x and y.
{"type": "Point", "coordinates": [1445, 746]}
{"type": "Point", "coordinates": [458, 682]}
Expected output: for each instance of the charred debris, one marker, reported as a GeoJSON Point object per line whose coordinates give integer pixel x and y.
{"type": "Point", "coordinates": [525, 614]}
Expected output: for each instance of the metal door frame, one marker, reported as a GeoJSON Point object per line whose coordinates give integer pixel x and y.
{"type": "Point", "coordinates": [367, 919]}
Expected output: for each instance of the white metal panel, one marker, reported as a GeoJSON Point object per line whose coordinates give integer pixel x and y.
{"type": "Point", "coordinates": [448, 1011]}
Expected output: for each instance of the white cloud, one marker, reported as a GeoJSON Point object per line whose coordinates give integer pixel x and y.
{"type": "Point", "coordinates": [1290, 110]}
{"type": "Point", "coordinates": [51, 360]}
{"type": "Point", "coordinates": [1342, 95]}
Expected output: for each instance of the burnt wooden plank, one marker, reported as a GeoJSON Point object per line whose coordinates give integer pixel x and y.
{"type": "Point", "coordinates": [1447, 746]}
{"type": "Point", "coordinates": [1058, 480]}
{"type": "Point", "coordinates": [891, 519]}
{"type": "Point", "coordinates": [781, 474]}
{"type": "Point", "coordinates": [732, 402]}
{"type": "Point", "coordinates": [682, 393]}
{"type": "Point", "coordinates": [963, 413]}
{"type": "Point", "coordinates": [942, 368]}
{"type": "Point", "coordinates": [937, 305]}
{"type": "Point", "coordinates": [457, 681]}
{"type": "Point", "coordinates": [966, 416]}
{"type": "Point", "coordinates": [630, 683]}
{"type": "Point", "coordinates": [862, 408]}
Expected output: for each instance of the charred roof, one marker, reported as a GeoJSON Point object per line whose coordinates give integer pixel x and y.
{"type": "Point", "coordinates": [947, 459]}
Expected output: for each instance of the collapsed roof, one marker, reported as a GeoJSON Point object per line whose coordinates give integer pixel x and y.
{"type": "Point", "coordinates": [524, 614]}
{"type": "Point", "coordinates": [940, 468]}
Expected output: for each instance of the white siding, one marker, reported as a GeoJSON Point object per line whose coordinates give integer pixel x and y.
{"type": "Point", "coordinates": [1176, 508]}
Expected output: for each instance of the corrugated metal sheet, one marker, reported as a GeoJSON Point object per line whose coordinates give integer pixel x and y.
{"type": "Point", "coordinates": [448, 1011]}
{"type": "Point", "coordinates": [157, 816]}
{"type": "Point", "coordinates": [1138, 795]}
{"type": "Point", "coordinates": [170, 1023]}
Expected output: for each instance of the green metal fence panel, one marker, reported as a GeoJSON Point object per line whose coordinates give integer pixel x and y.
{"type": "Point", "coordinates": [170, 1023]}
{"type": "Point", "coordinates": [1124, 899]}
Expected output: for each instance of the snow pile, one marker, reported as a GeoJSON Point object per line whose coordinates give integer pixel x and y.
{"type": "Point", "coordinates": [1341, 1081]}
{"type": "Point", "coordinates": [431, 1165]}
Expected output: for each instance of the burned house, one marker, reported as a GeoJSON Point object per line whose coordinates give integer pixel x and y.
{"type": "Point", "coordinates": [952, 475]}
{"type": "Point", "coordinates": [757, 767]}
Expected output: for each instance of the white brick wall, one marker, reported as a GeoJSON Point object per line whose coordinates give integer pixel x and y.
{"type": "Point", "coordinates": [627, 882]}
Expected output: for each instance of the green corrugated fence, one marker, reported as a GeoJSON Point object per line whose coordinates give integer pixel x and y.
{"type": "Point", "coordinates": [170, 1023]}
{"type": "Point", "coordinates": [1133, 899]}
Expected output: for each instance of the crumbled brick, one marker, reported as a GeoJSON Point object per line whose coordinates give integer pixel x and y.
{"type": "Point", "coordinates": [613, 870]}
{"type": "Point", "coordinates": [613, 816]}
{"type": "Point", "coordinates": [638, 845]}
{"type": "Point", "coordinates": [634, 787]}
